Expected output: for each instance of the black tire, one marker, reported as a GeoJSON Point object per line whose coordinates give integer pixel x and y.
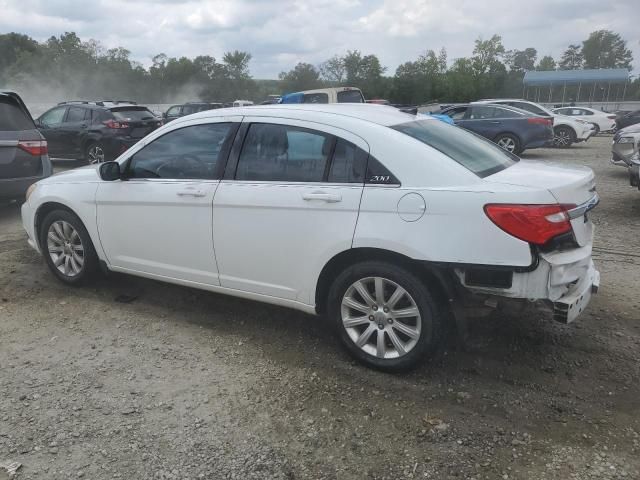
{"type": "Point", "coordinates": [431, 318]}
{"type": "Point", "coordinates": [90, 265]}
{"type": "Point", "coordinates": [563, 137]}
{"type": "Point", "coordinates": [509, 139]}
{"type": "Point", "coordinates": [95, 152]}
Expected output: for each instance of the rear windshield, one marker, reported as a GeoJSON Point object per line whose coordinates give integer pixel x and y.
{"type": "Point", "coordinates": [12, 118]}
{"type": "Point", "coordinates": [350, 96]}
{"type": "Point", "coordinates": [132, 113]}
{"type": "Point", "coordinates": [471, 151]}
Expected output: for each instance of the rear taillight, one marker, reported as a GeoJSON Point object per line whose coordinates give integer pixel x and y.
{"type": "Point", "coordinates": [116, 125]}
{"type": "Point", "coordinates": [33, 147]}
{"type": "Point", "coordinates": [536, 224]}
{"type": "Point", "coordinates": [539, 121]}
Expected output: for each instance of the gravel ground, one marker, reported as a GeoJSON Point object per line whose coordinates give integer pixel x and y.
{"type": "Point", "coordinates": [176, 383]}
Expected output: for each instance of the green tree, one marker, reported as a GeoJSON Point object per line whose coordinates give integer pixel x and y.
{"type": "Point", "coordinates": [521, 60]}
{"type": "Point", "coordinates": [546, 63]}
{"type": "Point", "coordinates": [487, 55]}
{"type": "Point", "coordinates": [333, 70]}
{"type": "Point", "coordinates": [303, 76]}
{"type": "Point", "coordinates": [571, 59]}
{"type": "Point", "coordinates": [606, 49]}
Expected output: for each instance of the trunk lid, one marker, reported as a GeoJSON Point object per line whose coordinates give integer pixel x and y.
{"type": "Point", "coordinates": [569, 184]}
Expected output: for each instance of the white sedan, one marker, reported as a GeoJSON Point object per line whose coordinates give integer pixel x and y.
{"type": "Point", "coordinates": [389, 224]}
{"type": "Point", "coordinates": [601, 121]}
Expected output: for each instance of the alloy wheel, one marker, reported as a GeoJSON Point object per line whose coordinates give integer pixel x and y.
{"type": "Point", "coordinates": [95, 154]}
{"type": "Point", "coordinates": [381, 317]}
{"type": "Point", "coordinates": [507, 143]}
{"type": "Point", "coordinates": [562, 138]}
{"type": "Point", "coordinates": [65, 248]}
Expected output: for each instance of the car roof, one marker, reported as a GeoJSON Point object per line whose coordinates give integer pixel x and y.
{"type": "Point", "coordinates": [332, 112]}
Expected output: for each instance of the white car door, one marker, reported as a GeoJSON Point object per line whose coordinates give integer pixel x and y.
{"type": "Point", "coordinates": [289, 202]}
{"type": "Point", "coordinates": [157, 219]}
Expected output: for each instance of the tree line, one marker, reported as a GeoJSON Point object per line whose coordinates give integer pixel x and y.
{"type": "Point", "coordinates": [66, 67]}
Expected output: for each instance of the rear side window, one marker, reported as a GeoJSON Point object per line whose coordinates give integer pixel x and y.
{"type": "Point", "coordinates": [187, 153]}
{"type": "Point", "coordinates": [132, 114]}
{"type": "Point", "coordinates": [76, 114]}
{"type": "Point", "coordinates": [348, 164]}
{"type": "Point", "coordinates": [350, 96]}
{"type": "Point", "coordinates": [283, 153]}
{"type": "Point", "coordinates": [471, 151]}
{"type": "Point", "coordinates": [506, 113]}
{"type": "Point", "coordinates": [316, 98]}
{"type": "Point", "coordinates": [480, 112]}
{"type": "Point", "coordinates": [12, 118]}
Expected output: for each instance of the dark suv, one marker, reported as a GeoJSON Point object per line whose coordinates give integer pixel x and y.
{"type": "Point", "coordinates": [95, 131]}
{"type": "Point", "coordinates": [23, 150]}
{"type": "Point", "coordinates": [177, 111]}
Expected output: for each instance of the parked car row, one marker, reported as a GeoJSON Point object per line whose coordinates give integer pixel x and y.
{"type": "Point", "coordinates": [516, 125]}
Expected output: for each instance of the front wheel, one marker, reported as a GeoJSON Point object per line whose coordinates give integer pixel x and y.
{"type": "Point", "coordinates": [384, 316]}
{"type": "Point", "coordinates": [563, 137]}
{"type": "Point", "coordinates": [67, 248]}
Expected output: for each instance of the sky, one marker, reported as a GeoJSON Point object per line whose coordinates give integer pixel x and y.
{"type": "Point", "coordinates": [281, 33]}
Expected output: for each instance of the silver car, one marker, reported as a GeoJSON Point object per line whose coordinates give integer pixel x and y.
{"type": "Point", "coordinates": [624, 149]}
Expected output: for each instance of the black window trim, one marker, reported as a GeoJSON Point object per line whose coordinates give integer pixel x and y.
{"type": "Point", "coordinates": [223, 156]}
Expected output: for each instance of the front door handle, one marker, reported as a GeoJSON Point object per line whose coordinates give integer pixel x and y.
{"type": "Point", "coordinates": [190, 193]}
{"type": "Point", "coordinates": [322, 196]}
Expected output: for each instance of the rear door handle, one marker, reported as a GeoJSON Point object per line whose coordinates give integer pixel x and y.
{"type": "Point", "coordinates": [190, 193]}
{"type": "Point", "coordinates": [325, 197]}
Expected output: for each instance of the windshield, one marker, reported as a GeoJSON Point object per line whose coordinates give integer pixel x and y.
{"type": "Point", "coordinates": [132, 113]}
{"type": "Point", "coordinates": [471, 151]}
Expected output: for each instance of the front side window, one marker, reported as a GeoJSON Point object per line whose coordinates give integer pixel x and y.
{"type": "Point", "coordinates": [53, 117]}
{"type": "Point", "coordinates": [457, 113]}
{"type": "Point", "coordinates": [187, 153]}
{"type": "Point", "coordinates": [316, 98]}
{"type": "Point", "coordinates": [173, 111]}
{"type": "Point", "coordinates": [350, 96]}
{"type": "Point", "coordinates": [471, 151]}
{"type": "Point", "coordinates": [283, 153]}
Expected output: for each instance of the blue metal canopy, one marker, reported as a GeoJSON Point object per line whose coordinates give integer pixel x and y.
{"type": "Point", "coordinates": [574, 77]}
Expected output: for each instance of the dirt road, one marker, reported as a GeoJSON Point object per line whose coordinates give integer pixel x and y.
{"type": "Point", "coordinates": [176, 383]}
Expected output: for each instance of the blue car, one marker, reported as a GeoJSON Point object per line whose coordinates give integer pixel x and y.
{"type": "Point", "coordinates": [513, 129]}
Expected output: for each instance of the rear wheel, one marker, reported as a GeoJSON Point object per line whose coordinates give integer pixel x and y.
{"type": "Point", "coordinates": [563, 137]}
{"type": "Point", "coordinates": [596, 129]}
{"type": "Point", "coordinates": [384, 315]}
{"type": "Point", "coordinates": [95, 153]}
{"type": "Point", "coordinates": [67, 248]}
{"type": "Point", "coordinates": [508, 142]}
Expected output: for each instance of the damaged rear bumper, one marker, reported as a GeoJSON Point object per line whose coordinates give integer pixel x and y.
{"type": "Point", "coordinates": [561, 285]}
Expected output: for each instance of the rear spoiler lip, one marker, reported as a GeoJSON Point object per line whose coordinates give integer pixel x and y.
{"type": "Point", "coordinates": [14, 96]}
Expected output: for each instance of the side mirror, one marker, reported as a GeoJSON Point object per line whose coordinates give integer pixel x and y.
{"type": "Point", "coordinates": [164, 115]}
{"type": "Point", "coordinates": [38, 123]}
{"type": "Point", "coordinates": [110, 171]}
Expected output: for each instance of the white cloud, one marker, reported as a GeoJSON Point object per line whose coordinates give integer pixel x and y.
{"type": "Point", "coordinates": [280, 33]}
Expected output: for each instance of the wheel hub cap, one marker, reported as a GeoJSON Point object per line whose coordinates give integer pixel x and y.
{"type": "Point", "coordinates": [381, 317]}
{"type": "Point", "coordinates": [65, 248]}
